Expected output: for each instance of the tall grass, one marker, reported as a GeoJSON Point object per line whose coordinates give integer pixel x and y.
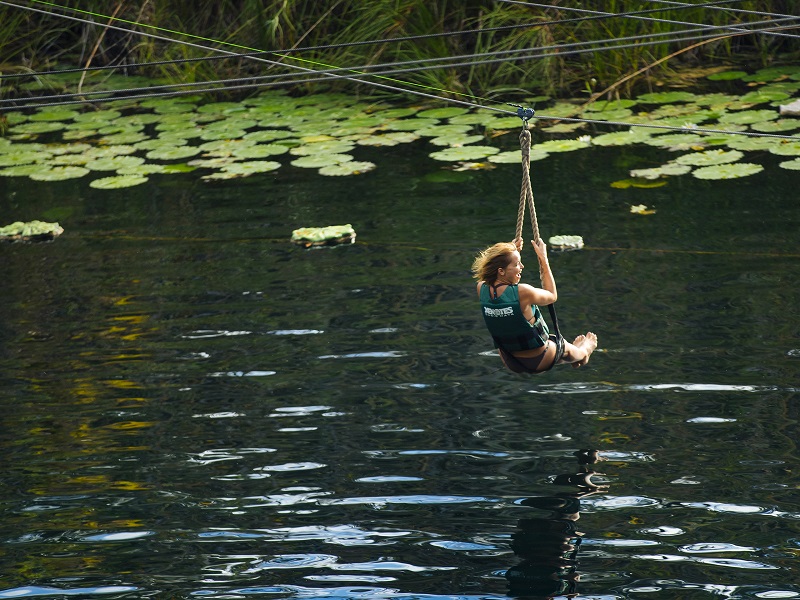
{"type": "Point", "coordinates": [40, 42]}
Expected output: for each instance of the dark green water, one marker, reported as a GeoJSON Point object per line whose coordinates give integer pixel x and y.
{"type": "Point", "coordinates": [192, 407]}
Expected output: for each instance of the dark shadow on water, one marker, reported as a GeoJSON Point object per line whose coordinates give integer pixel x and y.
{"type": "Point", "coordinates": [549, 545]}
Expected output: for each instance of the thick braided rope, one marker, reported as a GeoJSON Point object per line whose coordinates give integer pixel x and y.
{"type": "Point", "coordinates": [526, 191]}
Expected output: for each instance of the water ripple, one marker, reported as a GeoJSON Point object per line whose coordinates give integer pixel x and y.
{"type": "Point", "coordinates": [31, 591]}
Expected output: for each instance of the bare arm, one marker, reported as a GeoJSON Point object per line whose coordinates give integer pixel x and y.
{"type": "Point", "coordinates": [549, 293]}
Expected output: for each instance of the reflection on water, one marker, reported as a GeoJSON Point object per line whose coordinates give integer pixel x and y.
{"type": "Point", "coordinates": [549, 545]}
{"type": "Point", "coordinates": [192, 407]}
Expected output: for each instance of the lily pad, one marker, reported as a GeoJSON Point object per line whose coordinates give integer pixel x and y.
{"type": "Point", "coordinates": [39, 127]}
{"type": "Point", "coordinates": [322, 236]}
{"type": "Point", "coordinates": [675, 141]}
{"type": "Point", "coordinates": [565, 242]}
{"type": "Point", "coordinates": [388, 139]}
{"type": "Point", "coordinates": [118, 182]}
{"type": "Point", "coordinates": [666, 170]}
{"type": "Point", "coordinates": [783, 149]}
{"type": "Point", "coordinates": [353, 167]}
{"type": "Point", "coordinates": [456, 141]}
{"type": "Point", "coordinates": [59, 173]}
{"type": "Point", "coordinates": [464, 153]}
{"type": "Point", "coordinates": [792, 165]}
{"type": "Point", "coordinates": [515, 156]}
{"type": "Point", "coordinates": [130, 137]}
{"type": "Point", "coordinates": [333, 147]}
{"type": "Point", "coordinates": [412, 124]}
{"type": "Point", "coordinates": [560, 146]}
{"type": "Point", "coordinates": [10, 159]}
{"type": "Point", "coordinates": [749, 143]}
{"type": "Point", "coordinates": [397, 113]}
{"type": "Point", "coordinates": [316, 161]}
{"type": "Point", "coordinates": [747, 117]}
{"type": "Point", "coordinates": [442, 130]}
{"type": "Point", "coordinates": [173, 153]}
{"type": "Point", "coordinates": [762, 96]}
{"type": "Point", "coordinates": [31, 230]}
{"type": "Point", "coordinates": [20, 170]}
{"type": "Point", "coordinates": [251, 167]}
{"type": "Point", "coordinates": [222, 134]}
{"type": "Point", "coordinates": [728, 171]}
{"type": "Point", "coordinates": [776, 126]}
{"type": "Point", "coordinates": [635, 135]}
{"type": "Point", "coordinates": [260, 151]}
{"type": "Point", "coordinates": [105, 116]}
{"type": "Point", "coordinates": [54, 114]}
{"type": "Point", "coordinates": [268, 135]}
{"type": "Point", "coordinates": [709, 157]}
{"type": "Point", "coordinates": [620, 114]}
{"type": "Point", "coordinates": [442, 113]}
{"type": "Point", "coordinates": [145, 169]}
{"type": "Point", "coordinates": [727, 75]}
{"type": "Point", "coordinates": [114, 163]}
{"type": "Point", "coordinates": [666, 97]}
{"type": "Point", "coordinates": [603, 106]}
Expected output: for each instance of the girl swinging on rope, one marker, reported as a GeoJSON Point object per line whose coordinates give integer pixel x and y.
{"type": "Point", "coordinates": [512, 315]}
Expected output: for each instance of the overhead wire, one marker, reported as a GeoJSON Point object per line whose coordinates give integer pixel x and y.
{"type": "Point", "coordinates": [350, 69]}
{"type": "Point", "coordinates": [558, 50]}
{"type": "Point", "coordinates": [712, 4]}
{"type": "Point", "coordinates": [630, 15]}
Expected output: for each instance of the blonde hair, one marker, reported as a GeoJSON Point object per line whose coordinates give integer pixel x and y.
{"type": "Point", "coordinates": [489, 261]}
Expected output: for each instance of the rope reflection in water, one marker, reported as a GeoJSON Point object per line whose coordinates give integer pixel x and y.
{"type": "Point", "coordinates": [549, 545]}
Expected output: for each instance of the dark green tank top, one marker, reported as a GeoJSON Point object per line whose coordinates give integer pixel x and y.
{"type": "Point", "coordinates": [510, 329]}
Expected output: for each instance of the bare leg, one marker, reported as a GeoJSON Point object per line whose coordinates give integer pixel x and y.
{"type": "Point", "coordinates": [577, 353]}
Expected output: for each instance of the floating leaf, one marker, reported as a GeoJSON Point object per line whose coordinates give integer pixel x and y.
{"type": "Point", "coordinates": [144, 169]}
{"type": "Point", "coordinates": [173, 153]}
{"type": "Point", "coordinates": [31, 229]}
{"type": "Point", "coordinates": [675, 141]}
{"type": "Point", "coordinates": [662, 171]}
{"type": "Point", "coordinates": [456, 140]}
{"type": "Point", "coordinates": [620, 114]}
{"type": "Point", "coordinates": [78, 134]}
{"type": "Point", "coordinates": [442, 130]}
{"type": "Point", "coordinates": [114, 163]}
{"type": "Point", "coordinates": [761, 96]}
{"type": "Point", "coordinates": [772, 73]}
{"type": "Point", "coordinates": [747, 117]}
{"type": "Point", "coordinates": [474, 166]}
{"type": "Point", "coordinates": [624, 184]}
{"type": "Point", "coordinates": [776, 126]}
{"type": "Point", "coordinates": [413, 124]}
{"type": "Point", "coordinates": [334, 147]}
{"type": "Point", "coordinates": [464, 153]}
{"type": "Point", "coordinates": [268, 135]}
{"type": "Point", "coordinates": [603, 106]}
{"type": "Point", "coordinates": [666, 97]}
{"type": "Point", "coordinates": [130, 137]}
{"type": "Point", "coordinates": [442, 113]}
{"type": "Point", "coordinates": [728, 171]}
{"type": "Point", "coordinates": [222, 134]}
{"type": "Point", "coordinates": [114, 150]}
{"type": "Point", "coordinates": [783, 149]}
{"type": "Point", "coordinates": [353, 167]}
{"type": "Point", "coordinates": [634, 135]}
{"type": "Point", "coordinates": [564, 127]}
{"type": "Point", "coordinates": [260, 151]}
{"type": "Point", "coordinates": [315, 161]}
{"type": "Point", "coordinates": [709, 157]}
{"type": "Point", "coordinates": [641, 209]}
{"type": "Point", "coordinates": [118, 181]}
{"type": "Point", "coordinates": [20, 170]}
{"type": "Point", "coordinates": [54, 114]}
{"type": "Point", "coordinates": [515, 156]}
{"type": "Point", "coordinates": [727, 75]}
{"type": "Point", "coordinates": [747, 143]}
{"type": "Point", "coordinates": [98, 115]}
{"type": "Point", "coordinates": [59, 173]}
{"type": "Point", "coordinates": [10, 159]}
{"type": "Point", "coordinates": [560, 146]}
{"type": "Point", "coordinates": [792, 165]}
{"type": "Point", "coordinates": [37, 128]}
{"type": "Point", "coordinates": [251, 167]}
{"type": "Point", "coordinates": [397, 113]}
{"type": "Point", "coordinates": [715, 99]}
{"type": "Point", "coordinates": [388, 139]}
{"type": "Point", "coordinates": [565, 242]}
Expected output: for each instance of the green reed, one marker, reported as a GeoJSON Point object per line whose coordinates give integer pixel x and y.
{"type": "Point", "coordinates": [41, 42]}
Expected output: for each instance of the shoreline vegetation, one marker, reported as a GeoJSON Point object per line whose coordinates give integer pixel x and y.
{"type": "Point", "coordinates": [317, 35]}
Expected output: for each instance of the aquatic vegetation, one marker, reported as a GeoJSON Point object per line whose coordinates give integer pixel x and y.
{"type": "Point", "coordinates": [326, 132]}
{"type": "Point", "coordinates": [727, 171]}
{"type": "Point", "coordinates": [31, 230]}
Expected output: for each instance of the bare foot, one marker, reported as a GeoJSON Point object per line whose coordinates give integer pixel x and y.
{"type": "Point", "coordinates": [588, 343]}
